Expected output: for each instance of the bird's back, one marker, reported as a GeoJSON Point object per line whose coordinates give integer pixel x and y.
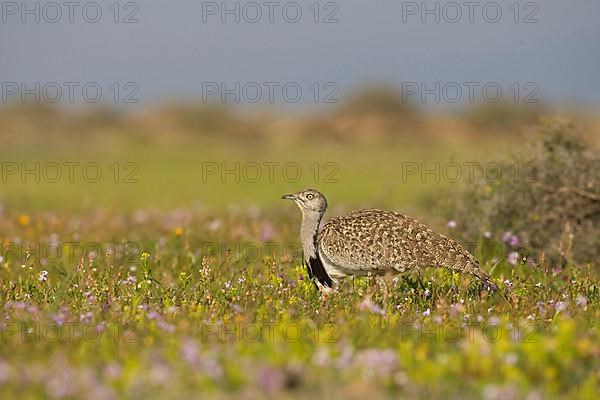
{"type": "Point", "coordinates": [378, 241]}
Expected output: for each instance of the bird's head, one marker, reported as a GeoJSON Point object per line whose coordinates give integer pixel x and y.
{"type": "Point", "coordinates": [310, 200]}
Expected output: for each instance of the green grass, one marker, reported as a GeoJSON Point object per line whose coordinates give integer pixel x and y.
{"type": "Point", "coordinates": [174, 175]}
{"type": "Point", "coordinates": [187, 295]}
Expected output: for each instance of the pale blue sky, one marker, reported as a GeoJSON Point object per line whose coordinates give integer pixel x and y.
{"type": "Point", "coordinates": [171, 51]}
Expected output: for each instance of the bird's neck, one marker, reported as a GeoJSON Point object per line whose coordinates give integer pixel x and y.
{"type": "Point", "coordinates": [309, 231]}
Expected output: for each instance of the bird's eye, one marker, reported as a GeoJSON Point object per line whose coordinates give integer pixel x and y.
{"type": "Point", "coordinates": [310, 196]}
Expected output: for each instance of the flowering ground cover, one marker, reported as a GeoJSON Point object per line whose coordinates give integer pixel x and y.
{"type": "Point", "coordinates": [190, 302]}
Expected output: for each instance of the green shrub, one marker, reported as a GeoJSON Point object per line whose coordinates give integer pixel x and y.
{"type": "Point", "coordinates": [377, 100]}
{"type": "Point", "coordinates": [546, 199]}
{"type": "Point", "coordinates": [503, 117]}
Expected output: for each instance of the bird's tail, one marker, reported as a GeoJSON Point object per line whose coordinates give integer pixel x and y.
{"type": "Point", "coordinates": [489, 283]}
{"type": "Point", "coordinates": [486, 279]}
{"type": "Point", "coordinates": [463, 261]}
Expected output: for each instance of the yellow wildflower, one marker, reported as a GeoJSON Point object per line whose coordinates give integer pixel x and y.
{"type": "Point", "coordinates": [24, 219]}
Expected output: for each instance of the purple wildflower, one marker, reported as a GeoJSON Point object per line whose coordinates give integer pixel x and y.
{"type": "Point", "coordinates": [271, 379]}
{"type": "Point", "coordinates": [513, 258]}
{"type": "Point", "coordinates": [378, 361]}
{"type": "Point", "coordinates": [560, 306]}
{"type": "Point", "coordinates": [374, 308]}
{"type": "Point", "coordinates": [86, 318]}
{"type": "Point", "coordinates": [510, 239]}
{"type": "Point", "coordinates": [130, 280]}
{"type": "Point", "coordinates": [267, 232]}
{"type": "Point", "coordinates": [59, 318]}
{"type": "Point", "coordinates": [165, 326]}
{"type": "Point", "coordinates": [90, 297]}
{"type": "Point", "coordinates": [113, 370]}
{"type": "Point", "coordinates": [189, 352]}
{"type": "Point", "coordinates": [101, 327]}
{"type": "Point", "coordinates": [153, 315]}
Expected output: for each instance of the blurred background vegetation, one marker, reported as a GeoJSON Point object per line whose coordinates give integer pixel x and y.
{"type": "Point", "coordinates": [355, 153]}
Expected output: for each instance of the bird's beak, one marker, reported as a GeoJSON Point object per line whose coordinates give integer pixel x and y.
{"type": "Point", "coordinates": [289, 197]}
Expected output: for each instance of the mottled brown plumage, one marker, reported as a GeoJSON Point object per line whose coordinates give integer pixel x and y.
{"type": "Point", "coordinates": [374, 241]}
{"type": "Point", "coordinates": [377, 240]}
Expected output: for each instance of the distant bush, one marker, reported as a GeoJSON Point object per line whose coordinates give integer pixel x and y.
{"type": "Point", "coordinates": [373, 113]}
{"type": "Point", "coordinates": [548, 206]}
{"type": "Point", "coordinates": [506, 117]}
{"type": "Point", "coordinates": [201, 118]}
{"type": "Point", "coordinates": [377, 100]}
{"type": "Point", "coordinates": [37, 115]}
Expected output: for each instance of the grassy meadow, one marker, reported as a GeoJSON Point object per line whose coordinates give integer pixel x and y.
{"type": "Point", "coordinates": [164, 278]}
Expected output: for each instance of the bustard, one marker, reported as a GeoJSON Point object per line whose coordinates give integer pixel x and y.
{"type": "Point", "coordinates": [373, 241]}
